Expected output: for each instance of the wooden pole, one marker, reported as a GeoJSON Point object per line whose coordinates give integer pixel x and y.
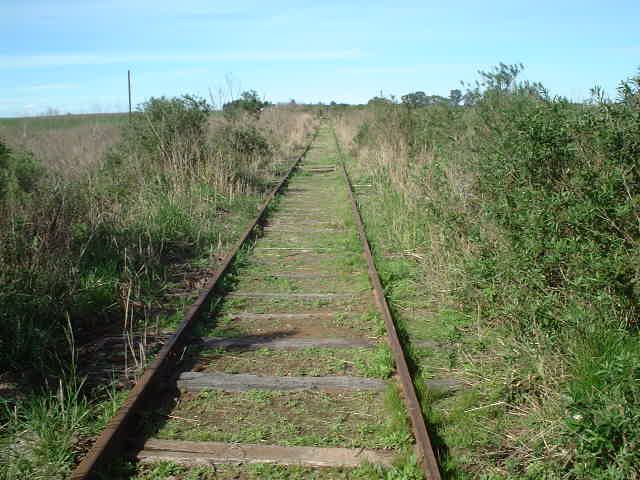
{"type": "Point", "coordinates": [129, 85]}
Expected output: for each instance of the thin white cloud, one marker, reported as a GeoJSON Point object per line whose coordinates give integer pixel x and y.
{"type": "Point", "coordinates": [189, 72]}
{"type": "Point", "coordinates": [50, 86]}
{"type": "Point", "coordinates": [379, 70]}
{"type": "Point", "coordinates": [630, 49]}
{"type": "Point", "coordinates": [8, 61]}
{"type": "Point", "coordinates": [10, 101]}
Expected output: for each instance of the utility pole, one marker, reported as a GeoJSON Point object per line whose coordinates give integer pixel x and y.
{"type": "Point", "coordinates": [129, 84]}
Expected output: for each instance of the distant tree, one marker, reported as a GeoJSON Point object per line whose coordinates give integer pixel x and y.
{"type": "Point", "coordinates": [501, 78]}
{"type": "Point", "coordinates": [379, 101]}
{"type": "Point", "coordinates": [421, 99]}
{"type": "Point", "coordinates": [455, 97]}
{"type": "Point", "coordinates": [415, 99]}
{"type": "Point", "coordinates": [249, 102]}
{"type": "Point", "coordinates": [629, 91]}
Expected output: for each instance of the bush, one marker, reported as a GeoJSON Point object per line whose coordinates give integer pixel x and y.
{"type": "Point", "coordinates": [562, 182]}
{"type": "Point", "coordinates": [242, 139]}
{"type": "Point", "coordinates": [5, 158]}
{"type": "Point", "coordinates": [20, 173]}
{"type": "Point", "coordinates": [4, 151]}
{"type": "Point", "coordinates": [249, 103]}
{"type": "Point", "coordinates": [167, 130]}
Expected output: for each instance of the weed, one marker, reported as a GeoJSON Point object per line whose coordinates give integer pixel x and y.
{"type": "Point", "coordinates": [261, 398]}
{"type": "Point", "coordinates": [381, 363]}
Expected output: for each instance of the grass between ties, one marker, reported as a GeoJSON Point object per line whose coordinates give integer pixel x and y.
{"type": "Point", "coordinates": [318, 362]}
{"type": "Point", "coordinates": [166, 470]}
{"type": "Point", "coordinates": [356, 420]}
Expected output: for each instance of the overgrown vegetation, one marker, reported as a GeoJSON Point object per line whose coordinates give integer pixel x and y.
{"type": "Point", "coordinates": [505, 223]}
{"type": "Point", "coordinates": [249, 103]}
{"type": "Point", "coordinates": [516, 217]}
{"type": "Point", "coordinates": [94, 247]}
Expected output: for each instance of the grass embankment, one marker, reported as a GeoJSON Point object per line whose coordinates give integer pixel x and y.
{"type": "Point", "coordinates": [507, 233]}
{"type": "Point", "coordinates": [98, 224]}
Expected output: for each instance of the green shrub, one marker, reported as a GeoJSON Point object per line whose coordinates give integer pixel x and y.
{"type": "Point", "coordinates": [249, 103]}
{"type": "Point", "coordinates": [4, 151]}
{"type": "Point", "coordinates": [5, 154]}
{"type": "Point", "coordinates": [169, 129]}
{"type": "Point", "coordinates": [20, 173]}
{"type": "Point", "coordinates": [363, 137]}
{"type": "Point", "coordinates": [570, 218]}
{"type": "Point", "coordinates": [562, 182]}
{"type": "Point", "coordinates": [242, 139]}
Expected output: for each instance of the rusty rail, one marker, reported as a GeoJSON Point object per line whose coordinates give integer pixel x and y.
{"type": "Point", "coordinates": [424, 447]}
{"type": "Point", "coordinates": [114, 437]}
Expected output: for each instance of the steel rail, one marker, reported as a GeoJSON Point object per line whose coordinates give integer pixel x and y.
{"type": "Point", "coordinates": [114, 437]}
{"type": "Point", "coordinates": [425, 449]}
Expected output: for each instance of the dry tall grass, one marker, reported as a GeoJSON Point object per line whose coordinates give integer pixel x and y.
{"type": "Point", "coordinates": [410, 185]}
{"type": "Point", "coordinates": [69, 152]}
{"type": "Point", "coordinates": [288, 127]}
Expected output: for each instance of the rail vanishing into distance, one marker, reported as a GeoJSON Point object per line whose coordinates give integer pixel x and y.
{"type": "Point", "coordinates": [288, 241]}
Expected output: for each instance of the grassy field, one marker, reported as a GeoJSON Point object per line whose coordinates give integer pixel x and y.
{"type": "Point", "coordinates": [61, 122]}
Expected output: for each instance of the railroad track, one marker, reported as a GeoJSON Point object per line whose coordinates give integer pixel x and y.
{"type": "Point", "coordinates": [290, 356]}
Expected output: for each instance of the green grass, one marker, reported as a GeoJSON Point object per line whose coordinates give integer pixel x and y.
{"type": "Point", "coordinates": [292, 419]}
{"type": "Point", "coordinates": [42, 433]}
{"type": "Point", "coordinates": [57, 122]}
{"type": "Point", "coordinates": [375, 362]}
{"type": "Point", "coordinates": [165, 470]}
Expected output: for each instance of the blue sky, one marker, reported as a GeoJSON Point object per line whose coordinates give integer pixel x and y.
{"type": "Point", "coordinates": [73, 55]}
